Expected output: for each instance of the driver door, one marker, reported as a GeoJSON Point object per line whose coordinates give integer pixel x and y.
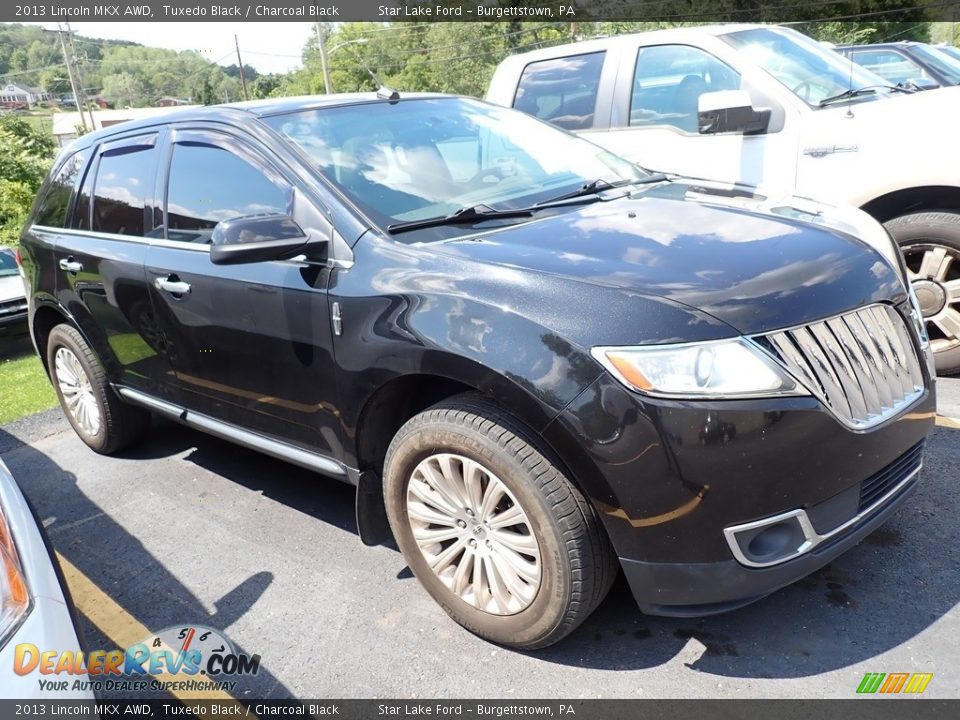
{"type": "Point", "coordinates": [249, 344]}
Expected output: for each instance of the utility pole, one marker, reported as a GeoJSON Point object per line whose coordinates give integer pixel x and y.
{"type": "Point", "coordinates": [322, 46]}
{"type": "Point", "coordinates": [243, 79]}
{"type": "Point", "coordinates": [73, 83]}
{"type": "Point", "coordinates": [76, 67]}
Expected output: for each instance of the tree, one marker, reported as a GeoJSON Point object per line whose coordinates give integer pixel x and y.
{"type": "Point", "coordinates": [25, 157]}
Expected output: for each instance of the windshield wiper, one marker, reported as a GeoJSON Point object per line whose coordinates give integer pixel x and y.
{"type": "Point", "coordinates": [858, 92]}
{"type": "Point", "coordinates": [474, 213]}
{"type": "Point", "coordinates": [599, 185]}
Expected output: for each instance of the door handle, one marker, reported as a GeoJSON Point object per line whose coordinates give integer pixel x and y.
{"type": "Point", "coordinates": [70, 265]}
{"type": "Point", "coordinates": [172, 285]}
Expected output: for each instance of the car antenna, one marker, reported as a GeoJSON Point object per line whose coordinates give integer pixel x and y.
{"type": "Point", "coordinates": [387, 93]}
{"type": "Point", "coordinates": [850, 88]}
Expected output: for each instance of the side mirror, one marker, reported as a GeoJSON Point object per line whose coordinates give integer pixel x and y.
{"type": "Point", "coordinates": [730, 111]}
{"type": "Point", "coordinates": [256, 238]}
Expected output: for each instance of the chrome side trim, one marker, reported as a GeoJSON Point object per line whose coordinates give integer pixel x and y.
{"type": "Point", "coordinates": [274, 448]}
{"type": "Point", "coordinates": [811, 537]}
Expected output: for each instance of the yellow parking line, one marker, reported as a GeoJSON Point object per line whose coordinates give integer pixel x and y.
{"type": "Point", "coordinates": [944, 421]}
{"type": "Point", "coordinates": [119, 625]}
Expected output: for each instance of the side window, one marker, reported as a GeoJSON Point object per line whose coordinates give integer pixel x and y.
{"type": "Point", "coordinates": [124, 178]}
{"type": "Point", "coordinates": [208, 184]}
{"type": "Point", "coordinates": [562, 91]}
{"type": "Point", "coordinates": [53, 209]}
{"type": "Point", "coordinates": [891, 66]}
{"type": "Point", "coordinates": [668, 81]}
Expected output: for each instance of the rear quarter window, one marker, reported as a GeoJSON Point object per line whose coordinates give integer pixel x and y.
{"type": "Point", "coordinates": [562, 91]}
{"type": "Point", "coordinates": [56, 202]}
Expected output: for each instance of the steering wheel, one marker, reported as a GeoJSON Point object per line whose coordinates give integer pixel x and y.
{"type": "Point", "coordinates": [803, 89]}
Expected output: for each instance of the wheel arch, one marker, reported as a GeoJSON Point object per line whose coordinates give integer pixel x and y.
{"type": "Point", "coordinates": [397, 400]}
{"type": "Point", "coordinates": [929, 198]}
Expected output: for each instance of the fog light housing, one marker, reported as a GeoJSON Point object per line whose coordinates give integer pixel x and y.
{"type": "Point", "coordinates": [771, 540]}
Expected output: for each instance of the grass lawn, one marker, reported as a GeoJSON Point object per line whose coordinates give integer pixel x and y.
{"type": "Point", "coordinates": [24, 388]}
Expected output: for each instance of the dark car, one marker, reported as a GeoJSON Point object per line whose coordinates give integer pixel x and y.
{"type": "Point", "coordinates": [13, 300]}
{"type": "Point", "coordinates": [507, 338]}
{"type": "Point", "coordinates": [907, 63]}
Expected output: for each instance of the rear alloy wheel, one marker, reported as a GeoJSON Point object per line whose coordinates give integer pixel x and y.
{"type": "Point", "coordinates": [930, 243]}
{"type": "Point", "coordinates": [491, 527]}
{"type": "Point", "coordinates": [99, 417]}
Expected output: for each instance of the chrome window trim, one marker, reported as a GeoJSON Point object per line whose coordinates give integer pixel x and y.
{"type": "Point", "coordinates": [159, 242]}
{"type": "Point", "coordinates": [811, 536]}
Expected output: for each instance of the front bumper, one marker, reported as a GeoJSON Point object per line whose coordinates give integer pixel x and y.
{"type": "Point", "coordinates": [50, 623]}
{"type": "Point", "coordinates": [668, 477]}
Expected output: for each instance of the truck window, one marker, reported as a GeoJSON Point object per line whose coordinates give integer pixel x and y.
{"type": "Point", "coordinates": [668, 81]}
{"type": "Point", "coordinates": [889, 65]}
{"type": "Point", "coordinates": [562, 91]}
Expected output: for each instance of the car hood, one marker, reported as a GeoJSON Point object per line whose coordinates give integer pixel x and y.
{"type": "Point", "coordinates": [752, 264]}
{"type": "Point", "coordinates": [11, 288]}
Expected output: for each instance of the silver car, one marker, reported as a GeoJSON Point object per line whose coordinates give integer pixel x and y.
{"type": "Point", "coordinates": [34, 607]}
{"type": "Point", "coordinates": [13, 300]}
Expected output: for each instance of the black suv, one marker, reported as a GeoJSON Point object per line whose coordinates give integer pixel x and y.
{"type": "Point", "coordinates": [530, 357]}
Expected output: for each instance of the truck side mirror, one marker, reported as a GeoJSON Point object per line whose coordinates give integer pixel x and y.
{"type": "Point", "coordinates": [730, 111]}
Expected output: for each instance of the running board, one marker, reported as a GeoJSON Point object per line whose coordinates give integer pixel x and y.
{"type": "Point", "coordinates": [225, 431]}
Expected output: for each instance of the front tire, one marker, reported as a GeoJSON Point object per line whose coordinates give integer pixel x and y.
{"type": "Point", "coordinates": [104, 422]}
{"type": "Point", "coordinates": [491, 527]}
{"type": "Point", "coordinates": [930, 242]}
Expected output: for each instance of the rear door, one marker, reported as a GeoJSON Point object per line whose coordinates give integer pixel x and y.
{"type": "Point", "coordinates": [250, 344]}
{"type": "Point", "coordinates": [99, 251]}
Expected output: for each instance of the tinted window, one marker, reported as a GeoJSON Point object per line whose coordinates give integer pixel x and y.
{"type": "Point", "coordinates": [8, 263]}
{"type": "Point", "coordinates": [124, 179]}
{"type": "Point", "coordinates": [562, 91]}
{"type": "Point", "coordinates": [209, 184]}
{"type": "Point", "coordinates": [890, 65]}
{"type": "Point", "coordinates": [668, 81]}
{"type": "Point", "coordinates": [53, 211]}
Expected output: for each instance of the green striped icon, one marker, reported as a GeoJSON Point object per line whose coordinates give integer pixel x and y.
{"type": "Point", "coordinates": [891, 683]}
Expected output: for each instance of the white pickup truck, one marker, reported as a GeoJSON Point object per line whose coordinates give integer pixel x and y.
{"type": "Point", "coordinates": [768, 108]}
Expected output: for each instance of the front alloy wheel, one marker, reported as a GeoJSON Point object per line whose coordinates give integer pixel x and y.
{"type": "Point", "coordinates": [473, 533]}
{"type": "Point", "coordinates": [491, 527]}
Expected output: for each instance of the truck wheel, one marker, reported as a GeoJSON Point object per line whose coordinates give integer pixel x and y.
{"type": "Point", "coordinates": [491, 528]}
{"type": "Point", "coordinates": [930, 242]}
{"type": "Point", "coordinates": [104, 422]}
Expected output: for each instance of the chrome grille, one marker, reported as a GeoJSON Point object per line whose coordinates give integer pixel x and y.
{"type": "Point", "coordinates": [862, 365]}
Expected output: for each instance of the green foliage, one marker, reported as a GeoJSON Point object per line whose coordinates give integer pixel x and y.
{"type": "Point", "coordinates": [25, 157]}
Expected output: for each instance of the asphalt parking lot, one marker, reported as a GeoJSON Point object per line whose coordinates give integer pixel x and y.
{"type": "Point", "coordinates": [189, 529]}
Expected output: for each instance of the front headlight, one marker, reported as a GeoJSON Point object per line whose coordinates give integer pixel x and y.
{"type": "Point", "coordinates": [720, 369]}
{"type": "Point", "coordinates": [14, 598]}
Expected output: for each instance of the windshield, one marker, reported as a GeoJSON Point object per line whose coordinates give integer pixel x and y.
{"type": "Point", "coordinates": [8, 264]}
{"type": "Point", "coordinates": [811, 71]}
{"type": "Point", "coordinates": [423, 158]}
{"type": "Point", "coordinates": [949, 50]}
{"type": "Point", "coordinates": [940, 61]}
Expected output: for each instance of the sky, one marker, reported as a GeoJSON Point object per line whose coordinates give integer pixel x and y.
{"type": "Point", "coordinates": [267, 46]}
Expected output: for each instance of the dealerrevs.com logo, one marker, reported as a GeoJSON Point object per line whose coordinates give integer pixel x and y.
{"type": "Point", "coordinates": [192, 657]}
{"type": "Point", "coordinates": [894, 683]}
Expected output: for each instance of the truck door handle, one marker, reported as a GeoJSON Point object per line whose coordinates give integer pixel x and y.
{"type": "Point", "coordinates": [172, 284]}
{"type": "Point", "coordinates": [70, 265]}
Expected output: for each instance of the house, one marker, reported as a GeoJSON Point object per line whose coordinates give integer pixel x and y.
{"type": "Point", "coordinates": [13, 95]}
{"type": "Point", "coordinates": [171, 102]}
{"type": "Point", "coordinates": [65, 124]}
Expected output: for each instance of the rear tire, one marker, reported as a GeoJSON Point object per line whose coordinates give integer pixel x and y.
{"type": "Point", "coordinates": [930, 242]}
{"type": "Point", "coordinates": [101, 419]}
{"type": "Point", "coordinates": [504, 507]}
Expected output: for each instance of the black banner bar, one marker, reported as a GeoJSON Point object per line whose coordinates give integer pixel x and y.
{"type": "Point", "coordinates": [479, 10]}
{"type": "Point", "coordinates": [856, 709]}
